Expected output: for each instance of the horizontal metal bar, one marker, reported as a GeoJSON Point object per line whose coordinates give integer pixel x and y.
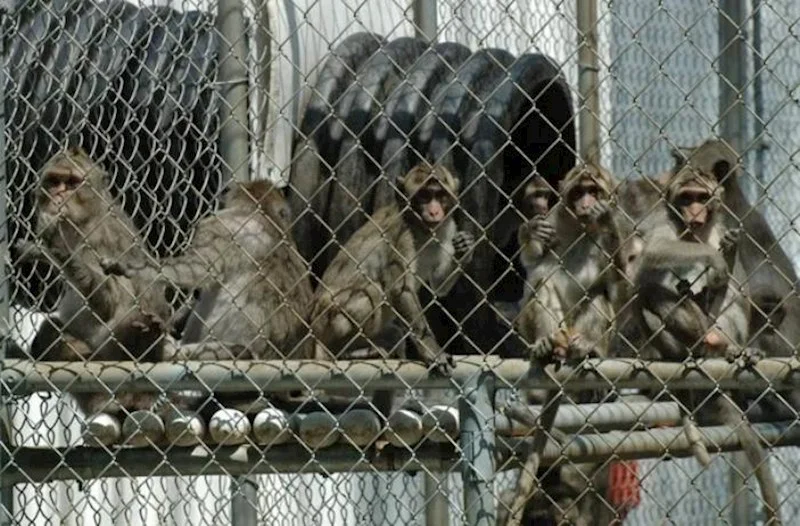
{"type": "Point", "coordinates": [22, 376]}
{"type": "Point", "coordinates": [591, 417]}
{"type": "Point", "coordinates": [47, 465]}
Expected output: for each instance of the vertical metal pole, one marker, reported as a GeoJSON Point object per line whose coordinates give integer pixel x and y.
{"type": "Point", "coordinates": [6, 494]}
{"type": "Point", "coordinates": [425, 19]}
{"type": "Point", "coordinates": [733, 55]}
{"type": "Point", "coordinates": [435, 490]}
{"type": "Point", "coordinates": [477, 445]}
{"type": "Point", "coordinates": [234, 136]}
{"type": "Point", "coordinates": [244, 501]}
{"type": "Point", "coordinates": [588, 68]}
{"type": "Point", "coordinates": [437, 511]}
{"type": "Point", "coordinates": [234, 148]}
{"type": "Point", "coordinates": [758, 99]}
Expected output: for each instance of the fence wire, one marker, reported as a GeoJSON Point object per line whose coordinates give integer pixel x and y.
{"type": "Point", "coordinates": [295, 263]}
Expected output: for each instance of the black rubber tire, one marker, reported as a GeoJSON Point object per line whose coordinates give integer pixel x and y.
{"type": "Point", "coordinates": [356, 165]}
{"type": "Point", "coordinates": [405, 108]}
{"type": "Point", "coordinates": [315, 146]}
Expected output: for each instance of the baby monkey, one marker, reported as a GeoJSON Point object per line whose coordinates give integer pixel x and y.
{"type": "Point", "coordinates": [377, 274]}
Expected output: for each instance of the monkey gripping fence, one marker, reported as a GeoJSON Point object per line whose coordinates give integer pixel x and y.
{"type": "Point", "coordinates": [336, 100]}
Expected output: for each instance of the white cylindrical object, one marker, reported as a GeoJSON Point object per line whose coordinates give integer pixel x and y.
{"type": "Point", "coordinates": [102, 429]}
{"type": "Point", "coordinates": [404, 428]}
{"type": "Point", "coordinates": [272, 426]}
{"type": "Point", "coordinates": [360, 427]}
{"type": "Point", "coordinates": [440, 424]}
{"type": "Point", "coordinates": [143, 428]}
{"type": "Point", "coordinates": [184, 429]}
{"type": "Point", "coordinates": [229, 427]}
{"type": "Point", "coordinates": [319, 430]}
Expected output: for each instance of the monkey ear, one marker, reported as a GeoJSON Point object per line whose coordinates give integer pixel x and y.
{"type": "Point", "coordinates": [722, 170]}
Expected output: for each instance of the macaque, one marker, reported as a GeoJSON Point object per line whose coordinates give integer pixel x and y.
{"type": "Point", "coordinates": [255, 293]}
{"type": "Point", "coordinates": [538, 197]}
{"type": "Point", "coordinates": [687, 276]}
{"type": "Point", "coordinates": [99, 317]}
{"type": "Point", "coordinates": [573, 273]}
{"type": "Point", "coordinates": [378, 273]}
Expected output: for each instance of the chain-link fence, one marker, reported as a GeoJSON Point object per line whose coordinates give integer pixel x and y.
{"type": "Point", "coordinates": [365, 262]}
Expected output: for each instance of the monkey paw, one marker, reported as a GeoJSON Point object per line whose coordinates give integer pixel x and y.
{"type": "Point", "coordinates": [717, 276]}
{"type": "Point", "coordinates": [443, 364]}
{"type": "Point", "coordinates": [541, 230]}
{"type": "Point", "coordinates": [599, 212]}
{"type": "Point", "coordinates": [463, 244]}
{"type": "Point", "coordinates": [744, 357]}
{"type": "Point", "coordinates": [730, 240]}
{"type": "Point", "coordinates": [114, 268]}
{"type": "Point", "coordinates": [149, 322]}
{"type": "Point", "coordinates": [546, 351]}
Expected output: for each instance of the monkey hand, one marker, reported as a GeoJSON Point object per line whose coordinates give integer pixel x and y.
{"type": "Point", "coordinates": [744, 357]}
{"type": "Point", "coordinates": [600, 212]}
{"type": "Point", "coordinates": [545, 350]}
{"type": "Point", "coordinates": [30, 251]}
{"type": "Point", "coordinates": [443, 364]}
{"type": "Point", "coordinates": [113, 267]}
{"type": "Point", "coordinates": [464, 245]}
{"type": "Point", "coordinates": [717, 276]}
{"type": "Point", "coordinates": [580, 348]}
{"type": "Point", "coordinates": [539, 229]}
{"type": "Point", "coordinates": [730, 241]}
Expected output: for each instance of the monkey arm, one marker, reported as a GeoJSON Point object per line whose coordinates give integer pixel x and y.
{"type": "Point", "coordinates": [665, 254]}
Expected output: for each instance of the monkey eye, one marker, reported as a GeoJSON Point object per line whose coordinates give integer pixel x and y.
{"type": "Point", "coordinates": [688, 198]}
{"type": "Point", "coordinates": [73, 181]}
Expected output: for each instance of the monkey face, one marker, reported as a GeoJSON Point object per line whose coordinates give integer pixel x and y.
{"type": "Point", "coordinates": [538, 198]}
{"type": "Point", "coordinates": [432, 203]}
{"type": "Point", "coordinates": [693, 203]}
{"type": "Point", "coordinates": [583, 198]}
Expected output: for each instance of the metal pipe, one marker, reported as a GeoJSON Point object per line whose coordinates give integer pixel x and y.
{"type": "Point", "coordinates": [593, 417]}
{"type": "Point", "coordinates": [758, 100]}
{"type": "Point", "coordinates": [477, 446]}
{"type": "Point", "coordinates": [232, 82]}
{"type": "Point", "coordinates": [32, 465]}
{"type": "Point", "coordinates": [588, 68]}
{"type": "Point", "coordinates": [732, 20]}
{"type": "Point", "coordinates": [6, 495]}
{"type": "Point", "coordinates": [425, 19]}
{"type": "Point", "coordinates": [25, 377]}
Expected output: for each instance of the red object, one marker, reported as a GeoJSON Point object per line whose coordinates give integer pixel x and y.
{"type": "Point", "coordinates": [624, 490]}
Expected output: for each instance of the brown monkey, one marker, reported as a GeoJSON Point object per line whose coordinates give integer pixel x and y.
{"type": "Point", "coordinates": [685, 293]}
{"type": "Point", "coordinates": [255, 292]}
{"type": "Point", "coordinates": [538, 197]}
{"type": "Point", "coordinates": [377, 274]}
{"type": "Point", "coordinates": [573, 274]}
{"type": "Point", "coordinates": [99, 317]}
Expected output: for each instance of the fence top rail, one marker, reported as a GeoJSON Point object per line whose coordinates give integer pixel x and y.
{"type": "Point", "coordinates": [22, 377]}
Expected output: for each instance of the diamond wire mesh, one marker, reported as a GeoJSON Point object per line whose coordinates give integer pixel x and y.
{"type": "Point", "coordinates": [137, 86]}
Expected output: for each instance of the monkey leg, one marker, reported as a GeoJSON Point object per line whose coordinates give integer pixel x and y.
{"type": "Point", "coordinates": [526, 484]}
{"type": "Point", "coordinates": [409, 309]}
{"type": "Point", "coordinates": [730, 414]}
{"type": "Point", "coordinates": [676, 322]}
{"type": "Point", "coordinates": [345, 319]}
{"type": "Point", "coordinates": [53, 342]}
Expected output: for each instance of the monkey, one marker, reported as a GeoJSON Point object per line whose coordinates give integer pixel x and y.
{"type": "Point", "coordinates": [376, 276]}
{"type": "Point", "coordinates": [688, 236]}
{"type": "Point", "coordinates": [538, 197]}
{"type": "Point", "coordinates": [98, 317]}
{"type": "Point", "coordinates": [255, 292]}
{"type": "Point", "coordinates": [573, 269]}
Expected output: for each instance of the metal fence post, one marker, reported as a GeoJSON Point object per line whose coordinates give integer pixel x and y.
{"type": "Point", "coordinates": [234, 136]}
{"type": "Point", "coordinates": [588, 120]}
{"type": "Point", "coordinates": [6, 494]}
{"type": "Point", "coordinates": [425, 19]}
{"type": "Point", "coordinates": [733, 60]}
{"type": "Point", "coordinates": [477, 446]}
